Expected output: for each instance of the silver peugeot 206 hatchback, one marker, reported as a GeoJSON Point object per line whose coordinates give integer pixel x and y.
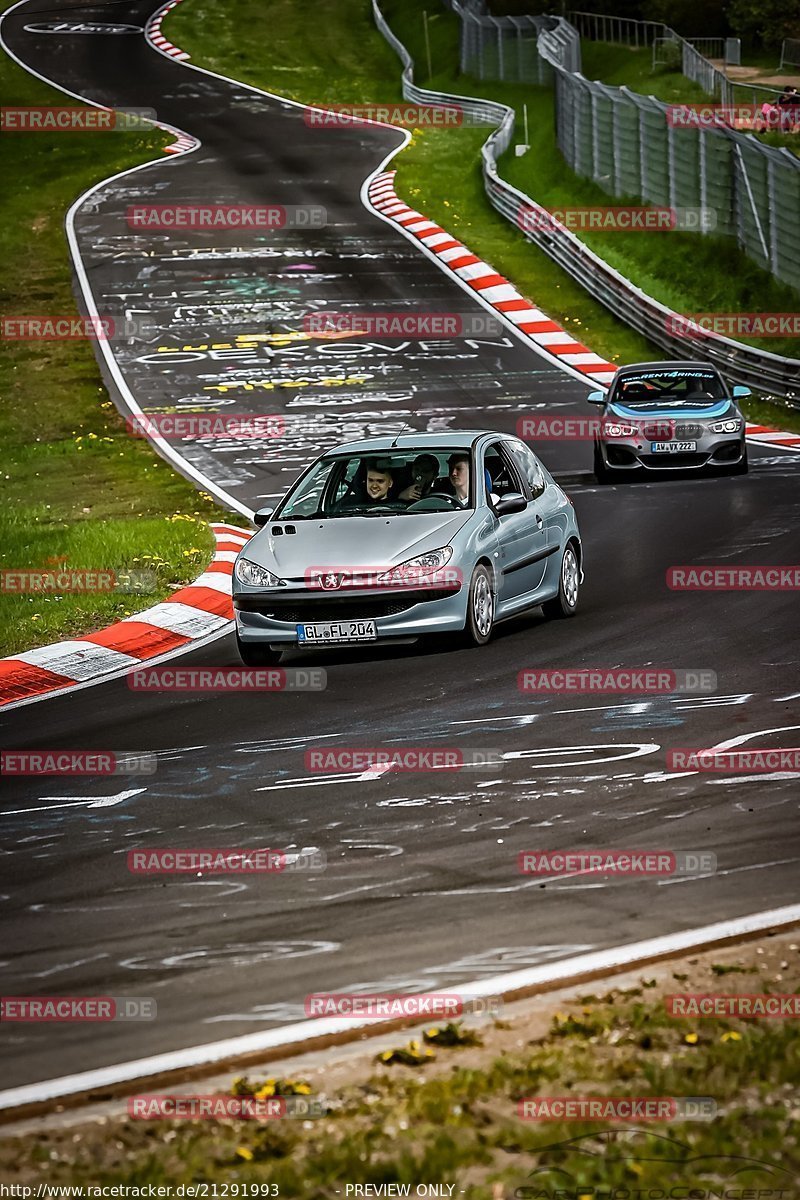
{"type": "Point", "coordinates": [394, 539]}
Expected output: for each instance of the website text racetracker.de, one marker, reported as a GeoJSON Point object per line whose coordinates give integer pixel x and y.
{"type": "Point", "coordinates": [137, 1191]}
{"type": "Point", "coordinates": [411, 758]}
{"type": "Point", "coordinates": [402, 324]}
{"type": "Point", "coordinates": [238, 217]}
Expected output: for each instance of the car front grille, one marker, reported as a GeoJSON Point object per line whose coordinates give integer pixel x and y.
{"type": "Point", "coordinates": [300, 610]}
{"type": "Point", "coordinates": [665, 431]}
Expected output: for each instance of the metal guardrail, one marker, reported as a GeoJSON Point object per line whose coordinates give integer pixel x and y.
{"type": "Point", "coordinates": [761, 369]}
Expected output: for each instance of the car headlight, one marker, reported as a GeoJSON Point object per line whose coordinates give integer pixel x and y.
{"type": "Point", "coordinates": [617, 429]}
{"type": "Point", "coordinates": [423, 564]}
{"type": "Point", "coordinates": [256, 576]}
{"type": "Point", "coordinates": [729, 426]}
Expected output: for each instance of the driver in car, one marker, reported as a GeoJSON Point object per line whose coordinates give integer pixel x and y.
{"type": "Point", "coordinates": [379, 484]}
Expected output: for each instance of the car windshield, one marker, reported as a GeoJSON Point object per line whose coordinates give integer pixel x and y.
{"type": "Point", "coordinates": [685, 387]}
{"type": "Point", "coordinates": [377, 483]}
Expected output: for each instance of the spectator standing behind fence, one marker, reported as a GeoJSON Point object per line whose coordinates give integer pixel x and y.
{"type": "Point", "coordinates": [789, 108]}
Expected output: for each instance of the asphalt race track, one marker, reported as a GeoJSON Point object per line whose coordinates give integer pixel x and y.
{"type": "Point", "coordinates": [421, 888]}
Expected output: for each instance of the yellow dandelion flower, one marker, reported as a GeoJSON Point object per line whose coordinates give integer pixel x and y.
{"type": "Point", "coordinates": [691, 1039]}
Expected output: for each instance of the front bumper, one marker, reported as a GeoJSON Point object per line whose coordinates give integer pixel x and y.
{"type": "Point", "coordinates": [271, 617]}
{"type": "Point", "coordinates": [711, 450]}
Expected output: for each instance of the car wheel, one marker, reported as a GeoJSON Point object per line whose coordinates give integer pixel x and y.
{"type": "Point", "coordinates": [253, 655]}
{"type": "Point", "coordinates": [480, 608]}
{"type": "Point", "coordinates": [601, 471]}
{"type": "Point", "coordinates": [565, 604]}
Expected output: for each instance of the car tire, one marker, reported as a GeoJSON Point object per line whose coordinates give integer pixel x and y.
{"type": "Point", "coordinates": [480, 608]}
{"type": "Point", "coordinates": [253, 655]}
{"type": "Point", "coordinates": [601, 472]}
{"type": "Point", "coordinates": [565, 604]}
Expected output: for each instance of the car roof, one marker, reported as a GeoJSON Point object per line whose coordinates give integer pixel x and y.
{"type": "Point", "coordinates": [451, 439]}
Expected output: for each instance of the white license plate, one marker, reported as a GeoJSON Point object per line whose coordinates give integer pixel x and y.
{"type": "Point", "coordinates": [672, 447]}
{"type": "Point", "coordinates": [337, 631]}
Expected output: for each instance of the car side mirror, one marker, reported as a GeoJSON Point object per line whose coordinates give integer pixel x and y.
{"type": "Point", "coordinates": [512, 502]}
{"type": "Point", "coordinates": [740, 392]}
{"type": "Point", "coordinates": [261, 516]}
{"type": "Point", "coordinates": [596, 398]}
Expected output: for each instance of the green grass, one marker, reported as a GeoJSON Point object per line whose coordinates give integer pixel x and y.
{"type": "Point", "coordinates": [75, 486]}
{"type": "Point", "coordinates": [456, 1121]}
{"type": "Point", "coordinates": [630, 67]}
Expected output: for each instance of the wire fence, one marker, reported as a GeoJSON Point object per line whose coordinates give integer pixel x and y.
{"type": "Point", "coordinates": [499, 47]}
{"type": "Point", "coordinates": [633, 145]}
{"type": "Point", "coordinates": [790, 53]}
{"type": "Point", "coordinates": [761, 369]}
{"type": "Point", "coordinates": [687, 53]}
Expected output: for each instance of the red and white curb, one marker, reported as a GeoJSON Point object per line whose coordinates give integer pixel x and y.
{"type": "Point", "coordinates": [530, 321]}
{"type": "Point", "coordinates": [152, 31]}
{"type": "Point", "coordinates": [534, 325]}
{"type": "Point", "coordinates": [191, 614]}
{"type": "Point", "coordinates": [764, 434]}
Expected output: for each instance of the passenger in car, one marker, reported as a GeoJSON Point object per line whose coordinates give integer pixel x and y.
{"type": "Point", "coordinates": [457, 482]}
{"type": "Point", "coordinates": [424, 471]}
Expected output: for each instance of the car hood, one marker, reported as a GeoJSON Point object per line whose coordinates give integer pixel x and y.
{"type": "Point", "coordinates": [346, 542]}
{"type": "Point", "coordinates": [713, 410]}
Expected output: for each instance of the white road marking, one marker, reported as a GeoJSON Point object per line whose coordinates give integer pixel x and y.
{"type": "Point", "coordinates": [292, 1037]}
{"type": "Point", "coordinates": [64, 802]}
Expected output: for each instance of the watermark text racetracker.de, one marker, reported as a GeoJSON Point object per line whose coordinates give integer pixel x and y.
{"type": "Point", "coordinates": [237, 217]}
{"type": "Point", "coordinates": [176, 426]}
{"type": "Point", "coordinates": [734, 325]}
{"type": "Point", "coordinates": [249, 860]}
{"type": "Point", "coordinates": [752, 760]}
{"type": "Point", "coordinates": [76, 1009]}
{"type": "Point", "coordinates": [65, 327]}
{"type": "Point", "coordinates": [63, 580]}
{"type": "Point", "coordinates": [76, 762]}
{"type": "Point", "coordinates": [632, 862]}
{"type": "Point", "coordinates": [615, 219]}
{"type": "Point", "coordinates": [343, 577]}
{"type": "Point", "coordinates": [383, 759]}
{"type": "Point", "coordinates": [542, 427]}
{"type": "Point", "coordinates": [402, 324]}
{"type": "Point", "coordinates": [629, 681]}
{"type": "Point", "coordinates": [617, 1108]}
{"type": "Point", "coordinates": [50, 119]}
{"type": "Point", "coordinates": [409, 116]}
{"type": "Point", "coordinates": [222, 1107]}
{"type": "Point", "coordinates": [717, 578]}
{"type": "Point", "coordinates": [380, 1006]}
{"type": "Point", "coordinates": [749, 1006]}
{"type": "Point", "coordinates": [227, 679]}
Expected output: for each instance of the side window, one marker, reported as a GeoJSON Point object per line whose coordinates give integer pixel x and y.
{"type": "Point", "coordinates": [503, 471]}
{"type": "Point", "coordinates": [343, 482]}
{"type": "Point", "coordinates": [530, 467]}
